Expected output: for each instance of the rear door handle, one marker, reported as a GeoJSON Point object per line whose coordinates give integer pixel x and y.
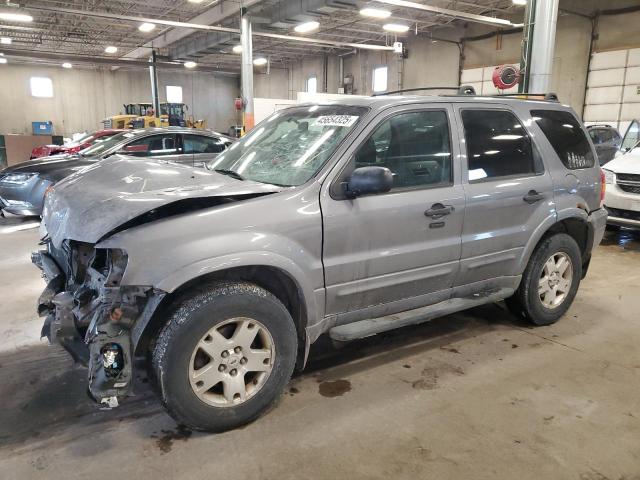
{"type": "Point", "coordinates": [533, 197]}
{"type": "Point", "coordinates": [438, 210]}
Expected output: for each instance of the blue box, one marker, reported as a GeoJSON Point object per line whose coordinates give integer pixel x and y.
{"type": "Point", "coordinates": [42, 128]}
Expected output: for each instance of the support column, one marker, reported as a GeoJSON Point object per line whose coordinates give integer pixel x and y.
{"type": "Point", "coordinates": [246, 73]}
{"type": "Point", "coordinates": [543, 48]}
{"type": "Point", "coordinates": [155, 97]}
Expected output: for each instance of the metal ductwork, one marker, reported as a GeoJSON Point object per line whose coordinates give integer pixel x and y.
{"type": "Point", "coordinates": [278, 16]}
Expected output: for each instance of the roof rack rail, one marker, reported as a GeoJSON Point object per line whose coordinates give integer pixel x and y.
{"type": "Point", "coordinates": [550, 97]}
{"type": "Point", "coordinates": [461, 89]}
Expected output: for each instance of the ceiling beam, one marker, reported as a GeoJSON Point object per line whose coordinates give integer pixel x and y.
{"type": "Point", "coordinates": [471, 17]}
{"type": "Point", "coordinates": [210, 28]}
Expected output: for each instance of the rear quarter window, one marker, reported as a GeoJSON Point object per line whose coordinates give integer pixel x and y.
{"type": "Point", "coordinates": [566, 136]}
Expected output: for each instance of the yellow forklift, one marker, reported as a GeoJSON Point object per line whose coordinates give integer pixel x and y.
{"type": "Point", "coordinates": [134, 112]}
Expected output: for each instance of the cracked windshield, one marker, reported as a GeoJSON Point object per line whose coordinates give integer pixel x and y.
{"type": "Point", "coordinates": [290, 146]}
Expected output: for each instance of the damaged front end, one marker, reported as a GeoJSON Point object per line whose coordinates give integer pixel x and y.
{"type": "Point", "coordinates": [91, 315]}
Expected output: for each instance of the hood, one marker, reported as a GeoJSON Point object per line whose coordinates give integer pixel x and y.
{"type": "Point", "coordinates": [625, 163]}
{"type": "Point", "coordinates": [47, 164]}
{"type": "Point", "coordinates": [110, 194]}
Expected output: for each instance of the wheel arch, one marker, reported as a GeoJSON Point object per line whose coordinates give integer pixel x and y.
{"type": "Point", "coordinates": [275, 280]}
{"type": "Point", "coordinates": [574, 223]}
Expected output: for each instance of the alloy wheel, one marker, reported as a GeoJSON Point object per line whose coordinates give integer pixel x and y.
{"type": "Point", "coordinates": [231, 362]}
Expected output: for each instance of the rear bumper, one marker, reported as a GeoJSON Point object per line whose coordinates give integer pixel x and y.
{"type": "Point", "coordinates": [598, 223]}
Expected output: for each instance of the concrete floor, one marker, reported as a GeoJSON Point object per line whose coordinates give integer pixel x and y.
{"type": "Point", "coordinates": [474, 395]}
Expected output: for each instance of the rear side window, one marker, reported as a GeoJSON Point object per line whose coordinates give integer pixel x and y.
{"type": "Point", "coordinates": [497, 145]}
{"type": "Point", "coordinates": [566, 136]}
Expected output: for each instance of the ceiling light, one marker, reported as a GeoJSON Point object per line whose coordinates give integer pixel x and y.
{"type": "Point", "coordinates": [395, 27]}
{"type": "Point", "coordinates": [146, 27]}
{"type": "Point", "coordinates": [15, 15]}
{"type": "Point", "coordinates": [3, 60]}
{"type": "Point", "coordinates": [5, 41]}
{"type": "Point", "coordinates": [237, 49]}
{"type": "Point", "coordinates": [190, 64]}
{"type": "Point", "coordinates": [111, 49]}
{"type": "Point", "coordinates": [260, 61]}
{"type": "Point", "coordinates": [196, 1]}
{"type": "Point", "coordinates": [307, 27]}
{"type": "Point", "coordinates": [375, 13]}
{"type": "Point", "coordinates": [67, 65]}
{"type": "Point", "coordinates": [519, 2]}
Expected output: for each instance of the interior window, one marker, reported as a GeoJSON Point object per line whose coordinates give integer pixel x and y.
{"type": "Point", "coordinates": [195, 144]}
{"type": "Point", "coordinates": [414, 146]}
{"type": "Point", "coordinates": [497, 145]}
{"type": "Point", "coordinates": [565, 134]}
{"type": "Point", "coordinates": [153, 146]}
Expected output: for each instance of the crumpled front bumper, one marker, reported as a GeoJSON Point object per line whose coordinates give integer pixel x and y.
{"type": "Point", "coordinates": [93, 323]}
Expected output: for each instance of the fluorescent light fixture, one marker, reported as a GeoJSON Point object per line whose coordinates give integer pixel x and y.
{"type": "Point", "coordinates": [519, 2]}
{"type": "Point", "coordinates": [190, 64]}
{"type": "Point", "coordinates": [14, 15]}
{"type": "Point", "coordinates": [5, 41]}
{"type": "Point", "coordinates": [3, 60]}
{"type": "Point", "coordinates": [237, 49]}
{"type": "Point", "coordinates": [260, 61]}
{"type": "Point", "coordinates": [395, 27]}
{"type": "Point", "coordinates": [196, 1]}
{"type": "Point", "coordinates": [111, 49]}
{"type": "Point", "coordinates": [375, 12]}
{"type": "Point", "coordinates": [146, 27]}
{"type": "Point", "coordinates": [67, 65]}
{"type": "Point", "coordinates": [307, 27]}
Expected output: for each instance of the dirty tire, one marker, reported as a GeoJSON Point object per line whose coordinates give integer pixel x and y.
{"type": "Point", "coordinates": [188, 322]}
{"type": "Point", "coordinates": [526, 302]}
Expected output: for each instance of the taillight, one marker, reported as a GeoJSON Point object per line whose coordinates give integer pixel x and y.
{"type": "Point", "coordinates": [603, 186]}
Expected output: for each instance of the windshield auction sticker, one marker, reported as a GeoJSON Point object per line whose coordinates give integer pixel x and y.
{"type": "Point", "coordinates": [336, 121]}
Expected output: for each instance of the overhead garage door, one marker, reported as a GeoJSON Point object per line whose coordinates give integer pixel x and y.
{"type": "Point", "coordinates": [613, 88]}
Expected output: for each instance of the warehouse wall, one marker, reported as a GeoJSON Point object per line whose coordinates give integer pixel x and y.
{"type": "Point", "coordinates": [83, 97]}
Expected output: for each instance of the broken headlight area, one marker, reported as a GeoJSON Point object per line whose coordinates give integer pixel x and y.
{"type": "Point", "coordinates": [90, 314]}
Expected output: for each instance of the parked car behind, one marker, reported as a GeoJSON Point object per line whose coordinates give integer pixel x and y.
{"type": "Point", "coordinates": [607, 141]}
{"type": "Point", "coordinates": [73, 147]}
{"type": "Point", "coordinates": [23, 186]}
{"type": "Point", "coordinates": [622, 199]}
{"type": "Point", "coordinates": [348, 218]}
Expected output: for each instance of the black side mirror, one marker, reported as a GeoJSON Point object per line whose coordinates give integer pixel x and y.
{"type": "Point", "coordinates": [368, 180]}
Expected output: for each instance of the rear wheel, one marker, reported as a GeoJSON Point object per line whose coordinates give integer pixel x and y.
{"type": "Point", "coordinates": [550, 281]}
{"type": "Point", "coordinates": [225, 356]}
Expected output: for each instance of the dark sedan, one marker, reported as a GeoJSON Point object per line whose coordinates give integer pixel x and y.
{"type": "Point", "coordinates": [23, 186]}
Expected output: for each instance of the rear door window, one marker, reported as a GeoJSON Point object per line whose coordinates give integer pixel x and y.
{"type": "Point", "coordinates": [497, 145]}
{"type": "Point", "coordinates": [196, 144]}
{"type": "Point", "coordinates": [566, 136]}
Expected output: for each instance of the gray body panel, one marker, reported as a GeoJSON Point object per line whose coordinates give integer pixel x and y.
{"type": "Point", "coordinates": [351, 259]}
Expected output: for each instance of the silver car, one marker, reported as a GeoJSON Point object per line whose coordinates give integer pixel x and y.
{"type": "Point", "coordinates": [347, 218]}
{"type": "Point", "coordinates": [23, 186]}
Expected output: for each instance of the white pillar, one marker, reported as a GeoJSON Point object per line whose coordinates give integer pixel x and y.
{"type": "Point", "coordinates": [246, 72]}
{"type": "Point", "coordinates": [543, 48]}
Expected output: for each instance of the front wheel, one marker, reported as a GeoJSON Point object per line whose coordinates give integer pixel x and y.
{"type": "Point", "coordinates": [225, 356]}
{"type": "Point", "coordinates": [550, 281]}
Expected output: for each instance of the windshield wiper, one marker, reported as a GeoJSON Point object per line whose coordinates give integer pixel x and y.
{"type": "Point", "coordinates": [230, 173]}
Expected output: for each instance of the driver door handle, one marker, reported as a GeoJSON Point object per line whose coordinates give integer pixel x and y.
{"type": "Point", "coordinates": [532, 197]}
{"type": "Point", "coordinates": [439, 210]}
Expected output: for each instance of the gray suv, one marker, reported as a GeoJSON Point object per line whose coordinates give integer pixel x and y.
{"type": "Point", "coordinates": [347, 218]}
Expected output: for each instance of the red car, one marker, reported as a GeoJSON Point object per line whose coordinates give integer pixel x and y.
{"type": "Point", "coordinates": [73, 147]}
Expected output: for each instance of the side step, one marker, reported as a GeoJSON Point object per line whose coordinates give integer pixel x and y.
{"type": "Point", "coordinates": [373, 326]}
